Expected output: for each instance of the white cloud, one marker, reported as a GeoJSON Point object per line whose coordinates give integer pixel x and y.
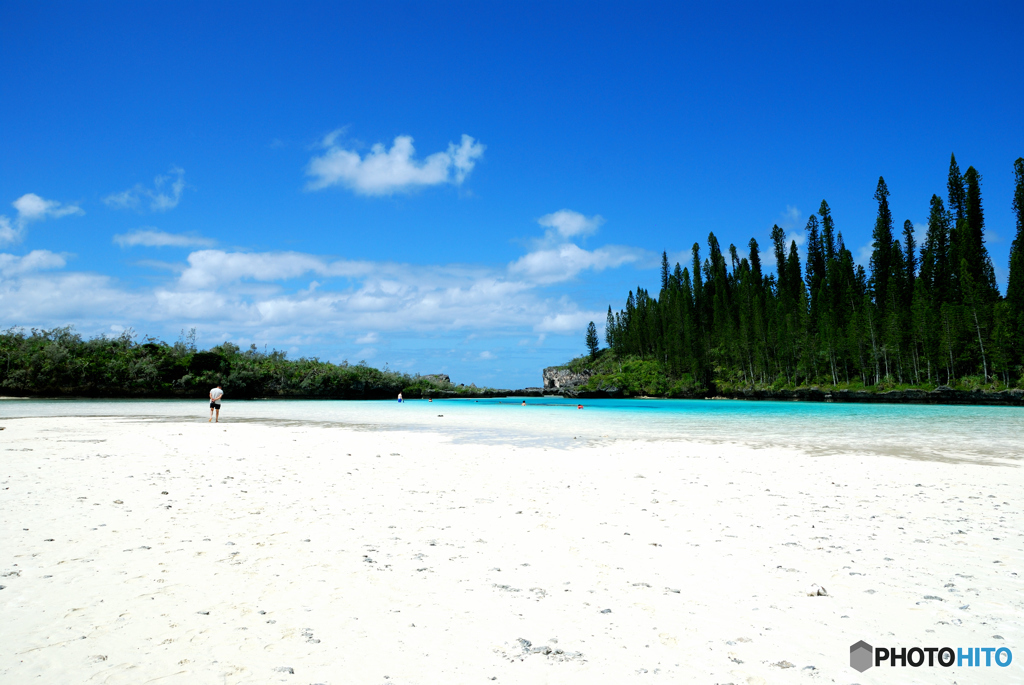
{"type": "Point", "coordinates": [208, 268]}
{"type": "Point", "coordinates": [384, 172]}
{"type": "Point", "coordinates": [269, 296]}
{"type": "Point", "coordinates": [366, 353]}
{"type": "Point", "coordinates": [863, 256]}
{"type": "Point", "coordinates": [569, 224]}
{"type": "Point", "coordinates": [464, 156]}
{"type": "Point", "coordinates": [486, 354]}
{"type": "Point", "coordinates": [331, 138]}
{"type": "Point", "coordinates": [165, 194]}
{"type": "Point", "coordinates": [151, 237]}
{"type": "Point", "coordinates": [537, 342]}
{"type": "Point", "coordinates": [246, 292]}
{"type": "Point", "coordinates": [61, 298]}
{"type": "Point", "coordinates": [30, 207]}
{"type": "Point", "coordinates": [36, 260]}
{"type": "Point", "coordinates": [790, 217]}
{"type": "Point", "coordinates": [565, 261]}
{"type": "Point", "coordinates": [569, 322]}
{"type": "Point", "coordinates": [8, 234]}
{"type": "Point", "coordinates": [556, 258]}
{"type": "Point", "coordinates": [1002, 277]}
{"type": "Point", "coordinates": [124, 200]}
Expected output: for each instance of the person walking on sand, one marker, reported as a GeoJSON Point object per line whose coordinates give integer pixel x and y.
{"type": "Point", "coordinates": [215, 396]}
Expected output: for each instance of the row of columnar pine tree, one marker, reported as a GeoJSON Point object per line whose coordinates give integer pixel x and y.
{"type": "Point", "coordinates": [927, 313]}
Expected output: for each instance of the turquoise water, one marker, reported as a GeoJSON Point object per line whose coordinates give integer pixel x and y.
{"type": "Point", "coordinates": [951, 433]}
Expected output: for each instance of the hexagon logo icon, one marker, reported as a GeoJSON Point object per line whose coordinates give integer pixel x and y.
{"type": "Point", "coordinates": [860, 656]}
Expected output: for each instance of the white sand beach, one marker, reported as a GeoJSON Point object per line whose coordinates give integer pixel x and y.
{"type": "Point", "coordinates": [179, 551]}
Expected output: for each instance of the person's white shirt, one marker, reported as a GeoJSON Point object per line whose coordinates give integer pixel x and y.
{"type": "Point", "coordinates": [216, 394]}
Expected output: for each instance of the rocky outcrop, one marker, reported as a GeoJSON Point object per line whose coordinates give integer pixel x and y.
{"type": "Point", "coordinates": [438, 378]}
{"type": "Point", "coordinates": [602, 392]}
{"type": "Point", "coordinates": [559, 379]}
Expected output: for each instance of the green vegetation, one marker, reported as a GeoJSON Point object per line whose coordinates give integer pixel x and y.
{"type": "Point", "coordinates": [59, 362]}
{"type": "Point", "coordinates": [592, 341]}
{"type": "Point", "coordinates": [632, 376]}
{"type": "Point", "coordinates": [922, 318]}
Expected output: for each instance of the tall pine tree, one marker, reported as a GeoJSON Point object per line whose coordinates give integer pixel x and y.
{"type": "Point", "coordinates": [957, 206]}
{"type": "Point", "coordinates": [592, 342]}
{"type": "Point", "coordinates": [971, 239]}
{"type": "Point", "coordinates": [881, 255]}
{"type": "Point", "coordinates": [1015, 285]}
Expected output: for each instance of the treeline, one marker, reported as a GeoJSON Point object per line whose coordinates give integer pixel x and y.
{"type": "Point", "coordinates": [923, 314]}
{"type": "Point", "coordinates": [59, 362]}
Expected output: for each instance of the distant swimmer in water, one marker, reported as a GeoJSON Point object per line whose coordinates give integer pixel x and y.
{"type": "Point", "coordinates": [400, 400]}
{"type": "Point", "coordinates": [524, 403]}
{"type": "Point", "coordinates": [579, 406]}
{"type": "Point", "coordinates": [430, 399]}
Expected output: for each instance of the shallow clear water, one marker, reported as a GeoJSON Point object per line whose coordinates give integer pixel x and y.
{"type": "Point", "coordinates": [949, 433]}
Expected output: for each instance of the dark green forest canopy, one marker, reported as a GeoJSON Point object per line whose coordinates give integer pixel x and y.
{"type": "Point", "coordinates": [59, 362]}
{"type": "Point", "coordinates": [928, 312]}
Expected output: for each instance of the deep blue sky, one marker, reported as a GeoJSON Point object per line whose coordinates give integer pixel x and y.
{"type": "Point", "coordinates": [666, 121]}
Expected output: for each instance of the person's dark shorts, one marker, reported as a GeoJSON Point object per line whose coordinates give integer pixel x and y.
{"type": "Point", "coordinates": [214, 405]}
